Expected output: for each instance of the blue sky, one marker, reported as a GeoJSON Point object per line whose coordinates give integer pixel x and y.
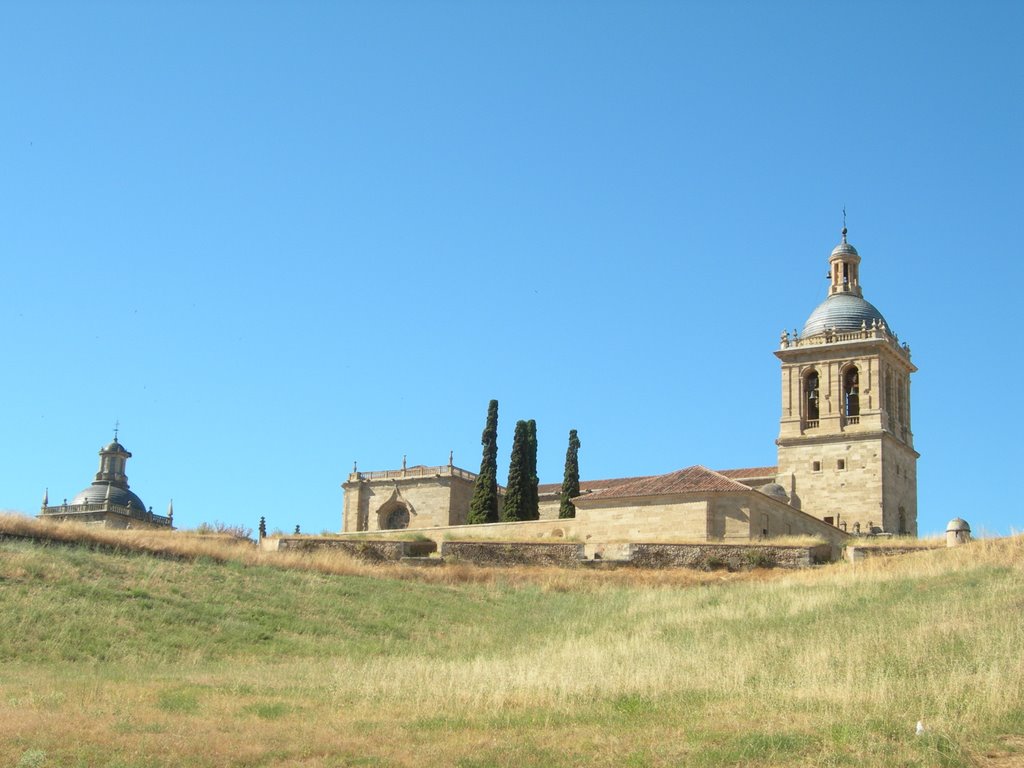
{"type": "Point", "coordinates": [272, 239]}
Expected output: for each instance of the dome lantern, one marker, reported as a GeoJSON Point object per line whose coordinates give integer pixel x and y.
{"type": "Point", "coordinates": [844, 310]}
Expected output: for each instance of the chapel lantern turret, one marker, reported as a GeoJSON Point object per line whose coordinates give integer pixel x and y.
{"type": "Point", "coordinates": [113, 458]}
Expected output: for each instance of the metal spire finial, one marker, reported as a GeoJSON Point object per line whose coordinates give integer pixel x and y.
{"type": "Point", "coordinates": [844, 223]}
{"type": "Point", "coordinates": [117, 426]}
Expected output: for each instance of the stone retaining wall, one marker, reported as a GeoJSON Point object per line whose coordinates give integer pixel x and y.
{"type": "Point", "coordinates": [512, 553]}
{"type": "Point", "coordinates": [370, 551]}
{"type": "Point", "coordinates": [733, 557]}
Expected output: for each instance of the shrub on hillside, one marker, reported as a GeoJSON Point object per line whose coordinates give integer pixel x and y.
{"type": "Point", "coordinates": [757, 558]}
{"type": "Point", "coordinates": [223, 529]}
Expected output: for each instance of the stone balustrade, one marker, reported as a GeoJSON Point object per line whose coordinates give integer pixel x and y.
{"type": "Point", "coordinates": [881, 332]}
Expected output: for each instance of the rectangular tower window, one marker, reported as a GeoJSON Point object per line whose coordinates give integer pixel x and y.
{"type": "Point", "coordinates": [841, 464]}
{"type": "Point", "coordinates": [815, 466]}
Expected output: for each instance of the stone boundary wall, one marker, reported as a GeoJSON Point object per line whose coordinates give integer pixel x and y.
{"type": "Point", "coordinates": [513, 553]}
{"type": "Point", "coordinates": [556, 530]}
{"type": "Point", "coordinates": [369, 551]}
{"type": "Point", "coordinates": [734, 557]}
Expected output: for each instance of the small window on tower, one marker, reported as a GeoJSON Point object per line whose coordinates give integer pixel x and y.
{"type": "Point", "coordinates": [841, 464]}
{"type": "Point", "coordinates": [815, 466]}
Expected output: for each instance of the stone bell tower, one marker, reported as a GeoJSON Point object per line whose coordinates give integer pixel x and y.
{"type": "Point", "coordinates": [845, 448]}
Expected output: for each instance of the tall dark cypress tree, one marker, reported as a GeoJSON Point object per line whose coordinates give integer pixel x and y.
{"type": "Point", "coordinates": [571, 479]}
{"type": "Point", "coordinates": [532, 505]}
{"type": "Point", "coordinates": [517, 490]}
{"type": "Point", "coordinates": [484, 506]}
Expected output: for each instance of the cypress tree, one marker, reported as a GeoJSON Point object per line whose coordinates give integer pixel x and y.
{"type": "Point", "coordinates": [532, 505]}
{"type": "Point", "coordinates": [484, 506]}
{"type": "Point", "coordinates": [517, 491]}
{"type": "Point", "coordinates": [571, 479]}
{"type": "Point", "coordinates": [263, 527]}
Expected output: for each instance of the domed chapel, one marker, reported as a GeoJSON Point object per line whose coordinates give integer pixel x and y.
{"type": "Point", "coordinates": [108, 501]}
{"type": "Point", "coordinates": [846, 463]}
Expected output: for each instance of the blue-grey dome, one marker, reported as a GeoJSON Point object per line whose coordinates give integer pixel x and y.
{"type": "Point", "coordinates": [97, 494]}
{"type": "Point", "coordinates": [843, 311]}
{"type": "Point", "coordinates": [844, 249]}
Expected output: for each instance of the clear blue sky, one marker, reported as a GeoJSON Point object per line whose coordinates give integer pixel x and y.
{"type": "Point", "coordinates": [275, 238]}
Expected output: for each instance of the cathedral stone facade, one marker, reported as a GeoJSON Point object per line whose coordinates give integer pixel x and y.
{"type": "Point", "coordinates": [846, 463]}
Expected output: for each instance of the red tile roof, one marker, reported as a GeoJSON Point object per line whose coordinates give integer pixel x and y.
{"type": "Point", "coordinates": [695, 479]}
{"type": "Point", "coordinates": [735, 474]}
{"type": "Point", "coordinates": [590, 485]}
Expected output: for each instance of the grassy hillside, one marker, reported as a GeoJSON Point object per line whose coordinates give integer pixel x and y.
{"type": "Point", "coordinates": [124, 659]}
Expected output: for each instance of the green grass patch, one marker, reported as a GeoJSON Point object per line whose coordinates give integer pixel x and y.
{"type": "Point", "coordinates": [164, 662]}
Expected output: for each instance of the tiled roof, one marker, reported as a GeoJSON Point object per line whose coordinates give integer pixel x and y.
{"type": "Point", "coordinates": [695, 479]}
{"type": "Point", "coordinates": [589, 485]}
{"type": "Point", "coordinates": [749, 472]}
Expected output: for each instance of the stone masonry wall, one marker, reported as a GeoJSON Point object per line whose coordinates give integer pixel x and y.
{"type": "Point", "coordinates": [370, 551]}
{"type": "Point", "coordinates": [505, 554]}
{"type": "Point", "coordinates": [726, 556]}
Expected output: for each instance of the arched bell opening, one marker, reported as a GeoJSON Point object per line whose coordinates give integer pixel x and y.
{"type": "Point", "coordinates": [851, 395]}
{"type": "Point", "coordinates": [812, 394]}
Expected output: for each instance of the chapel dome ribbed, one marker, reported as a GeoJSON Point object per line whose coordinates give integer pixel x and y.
{"type": "Point", "coordinates": [97, 493]}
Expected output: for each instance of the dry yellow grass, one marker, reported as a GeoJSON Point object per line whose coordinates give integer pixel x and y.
{"type": "Point", "coordinates": [189, 546]}
{"type": "Point", "coordinates": [829, 666]}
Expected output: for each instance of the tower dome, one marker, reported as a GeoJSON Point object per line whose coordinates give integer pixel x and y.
{"type": "Point", "coordinates": [842, 312]}
{"type": "Point", "coordinates": [845, 309]}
